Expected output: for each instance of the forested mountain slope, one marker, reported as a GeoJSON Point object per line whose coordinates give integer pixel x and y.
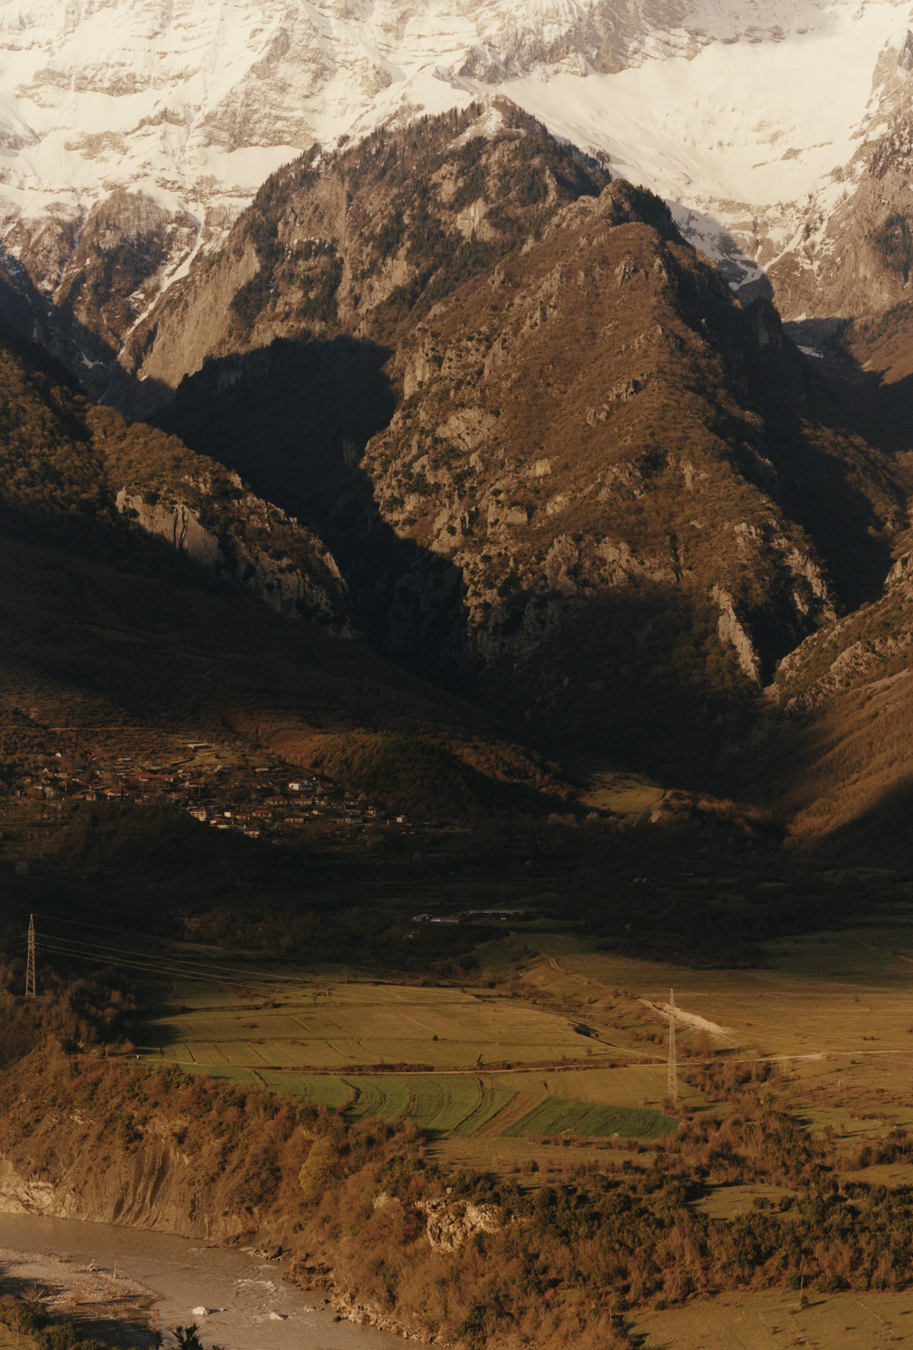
{"type": "Point", "coordinates": [143, 586]}
{"type": "Point", "coordinates": [559, 465]}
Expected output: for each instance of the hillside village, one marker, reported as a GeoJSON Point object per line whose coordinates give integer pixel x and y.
{"type": "Point", "coordinates": [258, 800]}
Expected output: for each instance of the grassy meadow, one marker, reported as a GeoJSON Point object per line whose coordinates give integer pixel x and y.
{"type": "Point", "coordinates": [762, 1321]}
{"type": "Point", "coordinates": [604, 788]}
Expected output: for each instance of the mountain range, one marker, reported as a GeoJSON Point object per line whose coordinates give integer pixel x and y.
{"type": "Point", "coordinates": [138, 131]}
{"type": "Point", "coordinates": [487, 384]}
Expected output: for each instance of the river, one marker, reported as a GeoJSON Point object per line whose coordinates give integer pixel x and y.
{"type": "Point", "coordinates": [249, 1306]}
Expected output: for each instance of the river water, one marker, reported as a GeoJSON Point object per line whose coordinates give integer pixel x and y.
{"type": "Point", "coordinates": [249, 1305]}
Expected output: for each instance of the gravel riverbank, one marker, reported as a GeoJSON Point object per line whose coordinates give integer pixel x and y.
{"type": "Point", "coordinates": [101, 1299]}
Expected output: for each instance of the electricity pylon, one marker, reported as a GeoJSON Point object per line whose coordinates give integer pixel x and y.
{"type": "Point", "coordinates": [30, 961]}
{"type": "Point", "coordinates": [673, 1063]}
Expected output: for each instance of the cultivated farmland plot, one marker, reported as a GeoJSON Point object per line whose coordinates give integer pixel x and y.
{"type": "Point", "coordinates": [833, 1009]}
{"type": "Point", "coordinates": [252, 1055]}
{"type": "Point", "coordinates": [337, 1024]}
{"type": "Point", "coordinates": [250, 1042]}
{"type": "Point", "coordinates": [555, 1116]}
{"type": "Point", "coordinates": [226, 1071]}
{"type": "Point", "coordinates": [634, 1085]}
{"type": "Point", "coordinates": [322, 1089]}
{"type": "Point", "coordinates": [442, 1102]}
{"type": "Point", "coordinates": [207, 1053]}
{"type": "Point", "coordinates": [492, 1101]}
{"type": "Point", "coordinates": [385, 1096]}
{"type": "Point", "coordinates": [359, 1024]}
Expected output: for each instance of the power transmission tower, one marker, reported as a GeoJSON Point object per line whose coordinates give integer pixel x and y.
{"type": "Point", "coordinates": [673, 1063]}
{"type": "Point", "coordinates": [30, 961]}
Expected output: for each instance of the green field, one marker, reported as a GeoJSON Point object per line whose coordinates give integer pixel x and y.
{"type": "Point", "coordinates": [323, 1089]}
{"type": "Point", "coordinates": [577, 1050]}
{"type": "Point", "coordinates": [556, 1116]}
{"type": "Point", "coordinates": [385, 1096]}
{"type": "Point", "coordinates": [442, 1102]}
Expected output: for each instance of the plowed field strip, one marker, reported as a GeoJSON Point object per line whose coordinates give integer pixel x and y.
{"type": "Point", "coordinates": [515, 1110]}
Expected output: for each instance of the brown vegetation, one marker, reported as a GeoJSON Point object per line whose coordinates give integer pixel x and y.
{"type": "Point", "coordinates": [558, 1260]}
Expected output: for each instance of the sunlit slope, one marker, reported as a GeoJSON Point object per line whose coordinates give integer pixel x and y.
{"type": "Point", "coordinates": [835, 760]}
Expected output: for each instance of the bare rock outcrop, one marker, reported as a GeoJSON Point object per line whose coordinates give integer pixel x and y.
{"type": "Point", "coordinates": [449, 1224]}
{"type": "Point", "coordinates": [292, 573]}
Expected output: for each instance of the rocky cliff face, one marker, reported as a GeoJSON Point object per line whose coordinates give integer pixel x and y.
{"type": "Point", "coordinates": [853, 258]}
{"type": "Point", "coordinates": [451, 1225]}
{"type": "Point", "coordinates": [272, 577]}
{"type": "Point", "coordinates": [149, 1188]}
{"type": "Point", "coordinates": [601, 471]}
{"type": "Point", "coordinates": [870, 645]}
{"type": "Point", "coordinates": [598, 420]}
{"type": "Point", "coordinates": [149, 1157]}
{"type": "Point", "coordinates": [209, 516]}
{"type": "Point", "coordinates": [351, 242]}
{"type": "Point", "coordinates": [82, 477]}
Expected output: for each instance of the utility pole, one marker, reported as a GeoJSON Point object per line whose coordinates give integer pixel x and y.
{"type": "Point", "coordinates": [673, 1063]}
{"type": "Point", "coordinates": [30, 961]}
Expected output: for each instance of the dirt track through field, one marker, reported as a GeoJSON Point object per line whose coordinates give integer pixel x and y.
{"type": "Point", "coordinates": [689, 1019]}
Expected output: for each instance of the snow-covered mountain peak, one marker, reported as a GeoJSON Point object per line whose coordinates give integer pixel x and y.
{"type": "Point", "coordinates": [178, 95]}
{"type": "Point", "coordinates": [740, 114]}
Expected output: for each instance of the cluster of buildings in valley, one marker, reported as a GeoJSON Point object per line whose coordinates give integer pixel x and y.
{"type": "Point", "coordinates": [258, 801]}
{"type": "Point", "coordinates": [500, 915]}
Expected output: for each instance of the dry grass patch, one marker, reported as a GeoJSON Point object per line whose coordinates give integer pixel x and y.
{"type": "Point", "coordinates": [763, 1321]}
{"type": "Point", "coordinates": [609, 789]}
{"type": "Point", "coordinates": [729, 1202]}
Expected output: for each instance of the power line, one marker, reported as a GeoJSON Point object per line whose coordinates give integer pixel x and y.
{"type": "Point", "coordinates": [191, 965]}
{"type": "Point", "coordinates": [145, 969]}
{"type": "Point", "coordinates": [124, 932]}
{"type": "Point", "coordinates": [151, 972]}
{"type": "Point", "coordinates": [155, 965]}
{"type": "Point", "coordinates": [100, 928]}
